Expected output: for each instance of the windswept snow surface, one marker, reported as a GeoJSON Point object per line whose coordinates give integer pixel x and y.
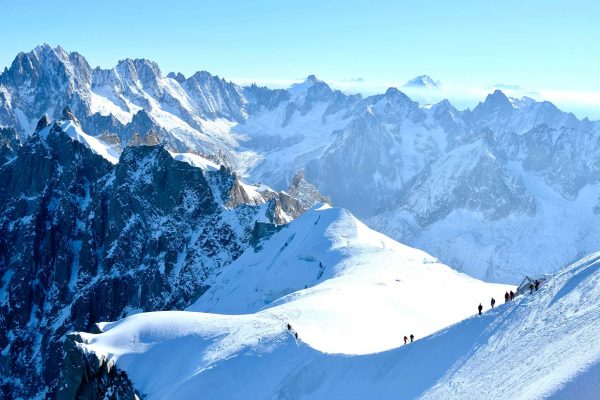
{"type": "Point", "coordinates": [357, 280]}
{"type": "Point", "coordinates": [543, 345]}
{"type": "Point", "coordinates": [368, 294]}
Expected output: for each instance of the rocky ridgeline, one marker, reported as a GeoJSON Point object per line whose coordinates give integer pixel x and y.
{"type": "Point", "coordinates": [83, 241]}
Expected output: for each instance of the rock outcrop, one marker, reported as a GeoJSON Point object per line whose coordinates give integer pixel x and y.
{"type": "Point", "coordinates": [89, 377]}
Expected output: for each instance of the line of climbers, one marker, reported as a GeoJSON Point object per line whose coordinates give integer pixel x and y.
{"type": "Point", "coordinates": [509, 296]}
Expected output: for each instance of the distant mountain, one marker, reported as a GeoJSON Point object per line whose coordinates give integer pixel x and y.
{"type": "Point", "coordinates": [422, 82]}
{"type": "Point", "coordinates": [378, 156]}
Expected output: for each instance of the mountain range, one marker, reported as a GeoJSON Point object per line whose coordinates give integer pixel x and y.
{"type": "Point", "coordinates": [468, 186]}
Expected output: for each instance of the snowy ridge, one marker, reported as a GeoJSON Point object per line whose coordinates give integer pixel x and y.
{"type": "Point", "coordinates": [92, 143]}
{"type": "Point", "coordinates": [346, 268]}
{"type": "Point", "coordinates": [198, 352]}
{"type": "Point", "coordinates": [356, 281]}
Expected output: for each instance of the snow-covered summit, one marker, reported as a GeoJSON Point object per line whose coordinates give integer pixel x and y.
{"type": "Point", "coordinates": [422, 82]}
{"type": "Point", "coordinates": [310, 84]}
{"type": "Point", "coordinates": [73, 130]}
{"type": "Point", "coordinates": [329, 267]}
{"type": "Point", "coordinates": [327, 274]}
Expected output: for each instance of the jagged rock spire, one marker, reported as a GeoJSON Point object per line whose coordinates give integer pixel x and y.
{"type": "Point", "coordinates": [68, 114]}
{"type": "Point", "coordinates": [42, 123]}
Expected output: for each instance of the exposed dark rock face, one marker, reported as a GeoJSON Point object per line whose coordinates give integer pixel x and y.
{"type": "Point", "coordinates": [43, 123]}
{"type": "Point", "coordinates": [83, 241]}
{"type": "Point", "coordinates": [89, 377]}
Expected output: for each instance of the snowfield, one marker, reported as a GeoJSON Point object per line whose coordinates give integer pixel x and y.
{"type": "Point", "coordinates": [344, 287]}
{"type": "Point", "coordinates": [351, 319]}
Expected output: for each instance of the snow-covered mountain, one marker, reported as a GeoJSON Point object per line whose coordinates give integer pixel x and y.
{"type": "Point", "coordinates": [90, 233]}
{"type": "Point", "coordinates": [350, 295]}
{"type": "Point", "coordinates": [422, 82]}
{"type": "Point", "coordinates": [467, 186]}
{"type": "Point", "coordinates": [343, 288]}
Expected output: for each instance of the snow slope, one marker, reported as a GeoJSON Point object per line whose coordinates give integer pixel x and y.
{"type": "Point", "coordinates": [348, 271]}
{"type": "Point", "coordinates": [370, 292]}
{"type": "Point", "coordinates": [521, 350]}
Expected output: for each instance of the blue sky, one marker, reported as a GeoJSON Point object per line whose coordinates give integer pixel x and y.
{"type": "Point", "coordinates": [546, 46]}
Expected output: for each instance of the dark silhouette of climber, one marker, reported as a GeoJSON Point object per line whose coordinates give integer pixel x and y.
{"type": "Point", "coordinates": [493, 302]}
{"type": "Point", "coordinates": [506, 297]}
{"type": "Point", "coordinates": [480, 308]}
{"type": "Point", "coordinates": [412, 337]}
{"type": "Point", "coordinates": [512, 295]}
{"type": "Point", "coordinates": [405, 339]}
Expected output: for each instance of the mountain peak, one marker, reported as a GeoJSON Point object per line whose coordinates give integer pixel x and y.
{"type": "Point", "coordinates": [312, 79]}
{"type": "Point", "coordinates": [423, 82]}
{"type": "Point", "coordinates": [68, 114]}
{"type": "Point", "coordinates": [179, 77]}
{"type": "Point", "coordinates": [44, 52]}
{"type": "Point", "coordinates": [140, 65]}
{"type": "Point", "coordinates": [498, 98]}
{"type": "Point", "coordinates": [42, 48]}
{"type": "Point", "coordinates": [42, 123]}
{"type": "Point", "coordinates": [301, 88]}
{"type": "Point", "coordinates": [396, 94]}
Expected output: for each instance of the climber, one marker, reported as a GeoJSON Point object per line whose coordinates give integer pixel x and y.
{"type": "Point", "coordinates": [412, 337]}
{"type": "Point", "coordinates": [405, 339]}
{"type": "Point", "coordinates": [480, 308]}
{"type": "Point", "coordinates": [296, 335]}
{"type": "Point", "coordinates": [512, 295]}
{"type": "Point", "coordinates": [531, 288]}
{"type": "Point", "coordinates": [289, 326]}
{"type": "Point", "coordinates": [493, 302]}
{"type": "Point", "coordinates": [506, 297]}
{"type": "Point", "coordinates": [537, 285]}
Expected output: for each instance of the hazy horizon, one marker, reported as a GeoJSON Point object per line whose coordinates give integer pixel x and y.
{"type": "Point", "coordinates": [471, 47]}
